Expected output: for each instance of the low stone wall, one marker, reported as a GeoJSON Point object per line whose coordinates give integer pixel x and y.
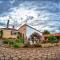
{"type": "Point", "coordinates": [52, 53]}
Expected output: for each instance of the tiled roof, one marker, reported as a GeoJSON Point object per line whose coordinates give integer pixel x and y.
{"type": "Point", "coordinates": [56, 34]}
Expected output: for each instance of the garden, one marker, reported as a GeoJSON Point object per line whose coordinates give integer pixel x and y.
{"type": "Point", "coordinates": [35, 40]}
{"type": "Point", "coordinates": [16, 43]}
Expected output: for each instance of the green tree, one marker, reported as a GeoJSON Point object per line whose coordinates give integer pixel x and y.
{"type": "Point", "coordinates": [1, 33]}
{"type": "Point", "coordinates": [52, 39]}
{"type": "Point", "coordinates": [46, 32]}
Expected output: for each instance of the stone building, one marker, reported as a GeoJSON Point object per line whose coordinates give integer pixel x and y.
{"type": "Point", "coordinates": [26, 30]}
{"type": "Point", "coordinates": [8, 33]}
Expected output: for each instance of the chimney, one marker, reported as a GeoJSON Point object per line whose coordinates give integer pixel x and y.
{"type": "Point", "coordinates": [8, 24]}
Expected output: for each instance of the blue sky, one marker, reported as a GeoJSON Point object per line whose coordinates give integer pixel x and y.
{"type": "Point", "coordinates": [40, 14]}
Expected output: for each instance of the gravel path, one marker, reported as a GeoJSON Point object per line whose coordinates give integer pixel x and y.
{"type": "Point", "coordinates": [52, 53]}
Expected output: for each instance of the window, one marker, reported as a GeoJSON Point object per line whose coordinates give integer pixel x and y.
{"type": "Point", "coordinates": [14, 33]}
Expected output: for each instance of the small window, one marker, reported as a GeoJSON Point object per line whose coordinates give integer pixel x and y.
{"type": "Point", "coordinates": [14, 32]}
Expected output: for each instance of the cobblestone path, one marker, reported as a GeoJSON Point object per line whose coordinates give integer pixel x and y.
{"type": "Point", "coordinates": [52, 53]}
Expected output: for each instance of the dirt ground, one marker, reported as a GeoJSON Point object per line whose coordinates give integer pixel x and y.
{"type": "Point", "coordinates": [52, 53]}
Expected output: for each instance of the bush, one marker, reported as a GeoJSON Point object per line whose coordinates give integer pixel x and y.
{"type": "Point", "coordinates": [8, 41]}
{"type": "Point", "coordinates": [20, 40]}
{"type": "Point", "coordinates": [5, 41]}
{"type": "Point", "coordinates": [34, 45]}
{"type": "Point", "coordinates": [37, 45]}
{"type": "Point", "coordinates": [16, 45]}
{"type": "Point", "coordinates": [52, 39]}
{"type": "Point", "coordinates": [26, 45]}
{"type": "Point", "coordinates": [11, 42]}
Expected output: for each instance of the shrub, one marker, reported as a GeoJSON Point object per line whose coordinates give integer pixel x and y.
{"type": "Point", "coordinates": [26, 45]}
{"type": "Point", "coordinates": [8, 41]}
{"type": "Point", "coordinates": [5, 42]}
{"type": "Point", "coordinates": [20, 40]}
{"type": "Point", "coordinates": [11, 42]}
{"type": "Point", "coordinates": [34, 45]}
{"type": "Point", "coordinates": [1, 33]}
{"type": "Point", "coordinates": [52, 39]}
{"type": "Point", "coordinates": [16, 45]}
{"type": "Point", "coordinates": [37, 45]}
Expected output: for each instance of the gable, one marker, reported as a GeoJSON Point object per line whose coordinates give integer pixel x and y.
{"type": "Point", "coordinates": [30, 30]}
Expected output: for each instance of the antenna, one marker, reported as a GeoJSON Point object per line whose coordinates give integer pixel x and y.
{"type": "Point", "coordinates": [14, 24]}
{"type": "Point", "coordinates": [13, 27]}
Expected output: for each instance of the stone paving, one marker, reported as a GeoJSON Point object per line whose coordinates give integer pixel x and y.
{"type": "Point", "coordinates": [52, 53]}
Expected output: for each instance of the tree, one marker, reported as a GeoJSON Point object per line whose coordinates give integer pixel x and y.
{"type": "Point", "coordinates": [1, 33]}
{"type": "Point", "coordinates": [52, 39]}
{"type": "Point", "coordinates": [35, 37]}
{"type": "Point", "coordinates": [46, 32]}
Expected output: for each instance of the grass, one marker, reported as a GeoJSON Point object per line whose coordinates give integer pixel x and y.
{"type": "Point", "coordinates": [14, 43]}
{"type": "Point", "coordinates": [20, 42]}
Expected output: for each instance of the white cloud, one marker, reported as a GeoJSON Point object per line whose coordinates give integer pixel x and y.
{"type": "Point", "coordinates": [21, 14]}
{"type": "Point", "coordinates": [42, 19]}
{"type": "Point", "coordinates": [4, 18]}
